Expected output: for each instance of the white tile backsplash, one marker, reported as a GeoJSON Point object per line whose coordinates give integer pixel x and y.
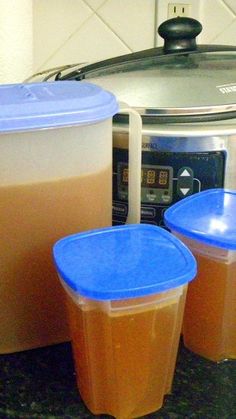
{"type": "Point", "coordinates": [79, 47]}
{"type": "Point", "coordinates": [132, 20]}
{"type": "Point", "coordinates": [216, 17]}
{"type": "Point", "coordinates": [55, 21]}
{"type": "Point", "coordinates": [231, 4]}
{"type": "Point", "coordinates": [228, 36]}
{"type": "Point", "coordinates": [70, 31]}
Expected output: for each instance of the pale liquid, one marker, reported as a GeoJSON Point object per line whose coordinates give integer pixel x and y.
{"type": "Point", "coordinates": [33, 217]}
{"type": "Point", "coordinates": [124, 359]}
{"type": "Point", "coordinates": [210, 313]}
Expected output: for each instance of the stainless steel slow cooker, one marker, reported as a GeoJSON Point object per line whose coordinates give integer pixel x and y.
{"type": "Point", "coordinates": [186, 95]}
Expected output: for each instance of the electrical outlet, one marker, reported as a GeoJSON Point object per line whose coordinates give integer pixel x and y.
{"type": "Point", "coordinates": [178, 9]}
{"type": "Point", "coordinates": [167, 9]}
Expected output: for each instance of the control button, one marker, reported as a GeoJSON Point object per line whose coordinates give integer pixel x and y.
{"type": "Point", "coordinates": [185, 172]}
{"type": "Point", "coordinates": [119, 208]}
{"type": "Point", "coordinates": [151, 196]}
{"type": "Point", "coordinates": [123, 196]}
{"type": "Point", "coordinates": [184, 191]}
{"type": "Point", "coordinates": [165, 197]}
{"type": "Point", "coordinates": [149, 212]}
{"type": "Point", "coordinates": [185, 182]}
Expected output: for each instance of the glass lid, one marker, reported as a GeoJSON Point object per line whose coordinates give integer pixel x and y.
{"type": "Point", "coordinates": [181, 80]}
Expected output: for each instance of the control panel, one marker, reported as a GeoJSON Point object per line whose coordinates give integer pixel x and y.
{"type": "Point", "coordinates": [166, 177]}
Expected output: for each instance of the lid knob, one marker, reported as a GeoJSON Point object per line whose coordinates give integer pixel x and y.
{"type": "Point", "coordinates": [179, 34]}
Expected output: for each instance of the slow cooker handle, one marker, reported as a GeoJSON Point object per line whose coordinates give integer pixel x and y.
{"type": "Point", "coordinates": [134, 159]}
{"type": "Point", "coordinates": [180, 34]}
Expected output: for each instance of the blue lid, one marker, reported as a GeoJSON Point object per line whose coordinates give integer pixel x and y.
{"type": "Point", "coordinates": [123, 262]}
{"type": "Point", "coordinates": [53, 104]}
{"type": "Point", "coordinates": [208, 216]}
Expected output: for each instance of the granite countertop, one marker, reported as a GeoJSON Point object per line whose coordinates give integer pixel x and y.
{"type": "Point", "coordinates": [41, 384]}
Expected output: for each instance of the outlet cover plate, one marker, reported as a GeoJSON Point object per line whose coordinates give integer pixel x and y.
{"type": "Point", "coordinates": [162, 7]}
{"type": "Point", "coordinates": [179, 9]}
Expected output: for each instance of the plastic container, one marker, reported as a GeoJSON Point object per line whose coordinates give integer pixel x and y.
{"type": "Point", "coordinates": [206, 223]}
{"type": "Point", "coordinates": [55, 179]}
{"type": "Point", "coordinates": [125, 307]}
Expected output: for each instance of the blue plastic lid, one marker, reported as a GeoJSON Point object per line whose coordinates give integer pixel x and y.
{"type": "Point", "coordinates": [53, 104]}
{"type": "Point", "coordinates": [123, 262]}
{"type": "Point", "coordinates": [208, 216]}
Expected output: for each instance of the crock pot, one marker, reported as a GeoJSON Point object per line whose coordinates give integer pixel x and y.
{"type": "Point", "coordinates": [186, 95]}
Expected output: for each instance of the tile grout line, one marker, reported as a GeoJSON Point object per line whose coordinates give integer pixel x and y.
{"type": "Point", "coordinates": [229, 8]}
{"type": "Point", "coordinates": [93, 12]}
{"type": "Point", "coordinates": [68, 38]}
{"type": "Point", "coordinates": [231, 23]}
{"type": "Point", "coordinates": [106, 24]}
{"type": "Point", "coordinates": [221, 32]}
{"type": "Point", "coordinates": [114, 32]}
{"type": "Point", "coordinates": [222, 2]}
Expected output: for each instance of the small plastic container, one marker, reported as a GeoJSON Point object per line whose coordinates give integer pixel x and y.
{"type": "Point", "coordinates": [126, 290]}
{"type": "Point", "coordinates": [206, 223]}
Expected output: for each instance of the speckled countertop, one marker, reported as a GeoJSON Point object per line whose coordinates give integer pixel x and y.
{"type": "Point", "coordinates": [41, 384]}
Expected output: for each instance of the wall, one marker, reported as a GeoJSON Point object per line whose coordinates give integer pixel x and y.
{"type": "Point", "coordinates": [71, 31]}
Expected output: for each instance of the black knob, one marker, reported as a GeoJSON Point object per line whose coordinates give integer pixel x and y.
{"type": "Point", "coordinates": [179, 34]}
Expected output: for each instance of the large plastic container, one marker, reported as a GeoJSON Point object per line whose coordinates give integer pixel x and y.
{"type": "Point", "coordinates": [206, 223]}
{"type": "Point", "coordinates": [126, 291]}
{"type": "Point", "coordinates": [55, 179]}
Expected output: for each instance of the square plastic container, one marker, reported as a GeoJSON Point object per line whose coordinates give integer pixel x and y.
{"type": "Point", "coordinates": [206, 223]}
{"type": "Point", "coordinates": [125, 306]}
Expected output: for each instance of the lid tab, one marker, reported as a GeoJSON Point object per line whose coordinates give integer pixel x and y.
{"type": "Point", "coordinates": [123, 262]}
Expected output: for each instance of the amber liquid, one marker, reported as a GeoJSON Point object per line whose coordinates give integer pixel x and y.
{"type": "Point", "coordinates": [124, 359]}
{"type": "Point", "coordinates": [210, 313]}
{"type": "Point", "coordinates": [33, 217]}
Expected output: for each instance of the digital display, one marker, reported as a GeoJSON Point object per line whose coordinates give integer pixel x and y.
{"type": "Point", "coordinates": [155, 178]}
{"type": "Point", "coordinates": [150, 177]}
